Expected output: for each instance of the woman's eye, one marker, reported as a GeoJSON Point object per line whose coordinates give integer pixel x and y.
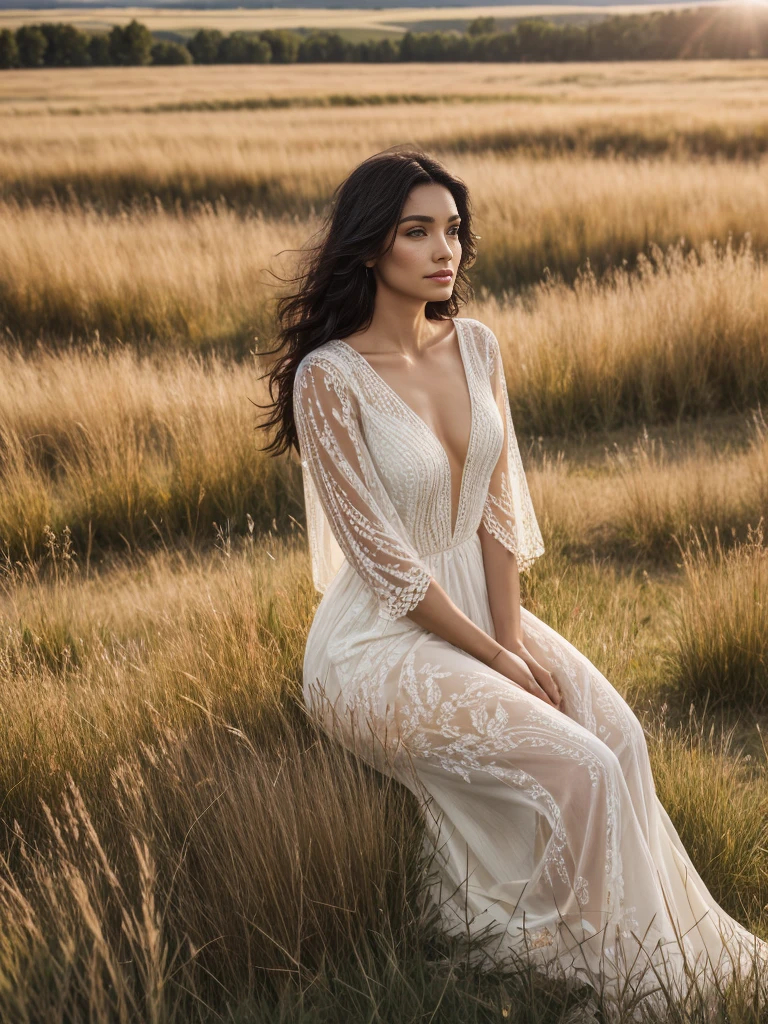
{"type": "Point", "coordinates": [410, 234]}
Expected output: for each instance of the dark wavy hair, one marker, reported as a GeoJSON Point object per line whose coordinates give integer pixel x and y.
{"type": "Point", "coordinates": [335, 296]}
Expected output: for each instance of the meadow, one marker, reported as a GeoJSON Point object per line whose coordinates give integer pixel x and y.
{"type": "Point", "coordinates": [370, 23]}
{"type": "Point", "coordinates": [179, 841]}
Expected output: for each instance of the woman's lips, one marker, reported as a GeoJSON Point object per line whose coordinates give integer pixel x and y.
{"type": "Point", "coordinates": [445, 276]}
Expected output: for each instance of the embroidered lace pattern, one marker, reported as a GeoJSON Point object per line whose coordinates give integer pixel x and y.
{"type": "Point", "coordinates": [365, 525]}
{"type": "Point", "coordinates": [355, 432]}
{"type": "Point", "coordinates": [508, 511]}
{"type": "Point", "coordinates": [477, 721]}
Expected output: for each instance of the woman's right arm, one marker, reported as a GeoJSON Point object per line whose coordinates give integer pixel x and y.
{"type": "Point", "coordinates": [437, 613]}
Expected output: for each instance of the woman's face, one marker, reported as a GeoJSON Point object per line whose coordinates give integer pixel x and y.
{"type": "Point", "coordinates": [426, 243]}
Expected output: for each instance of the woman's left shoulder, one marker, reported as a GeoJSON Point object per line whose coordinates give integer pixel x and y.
{"type": "Point", "coordinates": [484, 339]}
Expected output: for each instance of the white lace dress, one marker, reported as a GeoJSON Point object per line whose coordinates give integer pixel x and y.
{"type": "Point", "coordinates": [548, 830]}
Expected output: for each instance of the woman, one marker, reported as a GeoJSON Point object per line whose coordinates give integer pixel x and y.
{"type": "Point", "coordinates": [533, 769]}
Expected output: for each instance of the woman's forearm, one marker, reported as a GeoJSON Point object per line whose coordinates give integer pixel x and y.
{"type": "Point", "coordinates": [505, 652]}
{"type": "Point", "coordinates": [503, 583]}
{"type": "Point", "coordinates": [437, 613]}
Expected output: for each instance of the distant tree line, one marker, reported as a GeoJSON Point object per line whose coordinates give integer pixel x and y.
{"type": "Point", "coordinates": [706, 33]}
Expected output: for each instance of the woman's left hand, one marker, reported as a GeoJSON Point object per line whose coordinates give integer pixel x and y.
{"type": "Point", "coordinates": [542, 676]}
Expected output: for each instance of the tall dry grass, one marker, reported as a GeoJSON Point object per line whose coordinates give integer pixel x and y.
{"type": "Point", "coordinates": [154, 279]}
{"type": "Point", "coordinates": [720, 645]}
{"type": "Point", "coordinates": [179, 837]}
{"type": "Point", "coordinates": [273, 887]}
{"type": "Point", "coordinates": [131, 454]}
{"type": "Point", "coordinates": [740, 84]}
{"type": "Point", "coordinates": [684, 336]}
{"type": "Point", "coordinates": [179, 842]}
{"type": "Point", "coordinates": [701, 772]}
{"type": "Point", "coordinates": [668, 498]}
{"type": "Point", "coordinates": [132, 450]}
{"type": "Point", "coordinates": [211, 873]}
{"type": "Point", "coordinates": [152, 276]}
{"type": "Point", "coordinates": [77, 271]}
{"type": "Point", "coordinates": [284, 159]}
{"type": "Point", "coordinates": [648, 497]}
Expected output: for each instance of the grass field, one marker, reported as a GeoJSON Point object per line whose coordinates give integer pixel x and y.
{"type": "Point", "coordinates": [685, 88]}
{"type": "Point", "coordinates": [179, 843]}
{"type": "Point", "coordinates": [371, 23]}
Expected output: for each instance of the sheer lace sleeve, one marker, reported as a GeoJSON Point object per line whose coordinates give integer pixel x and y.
{"type": "Point", "coordinates": [349, 513]}
{"type": "Point", "coordinates": [508, 512]}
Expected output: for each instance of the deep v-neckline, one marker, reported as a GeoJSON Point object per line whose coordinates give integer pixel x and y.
{"type": "Point", "coordinates": [452, 529]}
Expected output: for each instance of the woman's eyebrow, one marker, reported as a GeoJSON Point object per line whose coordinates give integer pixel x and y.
{"type": "Point", "coordinates": [428, 220]}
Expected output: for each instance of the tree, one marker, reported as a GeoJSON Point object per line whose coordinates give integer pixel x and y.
{"type": "Point", "coordinates": [9, 50]}
{"type": "Point", "coordinates": [429, 46]}
{"type": "Point", "coordinates": [499, 46]}
{"type": "Point", "coordinates": [240, 48]}
{"type": "Point", "coordinates": [481, 27]}
{"type": "Point", "coordinates": [384, 51]}
{"type": "Point", "coordinates": [379, 51]}
{"type": "Point", "coordinates": [130, 45]}
{"type": "Point", "coordinates": [408, 49]}
{"type": "Point", "coordinates": [67, 46]}
{"type": "Point", "coordinates": [204, 45]}
{"type": "Point", "coordinates": [536, 39]}
{"type": "Point", "coordinates": [31, 45]}
{"type": "Point", "coordinates": [322, 47]}
{"type": "Point", "coordinates": [170, 53]}
{"type": "Point", "coordinates": [284, 45]}
{"type": "Point", "coordinates": [98, 50]}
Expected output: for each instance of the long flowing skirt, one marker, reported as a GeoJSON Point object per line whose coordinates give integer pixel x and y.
{"type": "Point", "coordinates": [545, 825]}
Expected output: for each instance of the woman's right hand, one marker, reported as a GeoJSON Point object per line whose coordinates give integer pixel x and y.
{"type": "Point", "coordinates": [515, 669]}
